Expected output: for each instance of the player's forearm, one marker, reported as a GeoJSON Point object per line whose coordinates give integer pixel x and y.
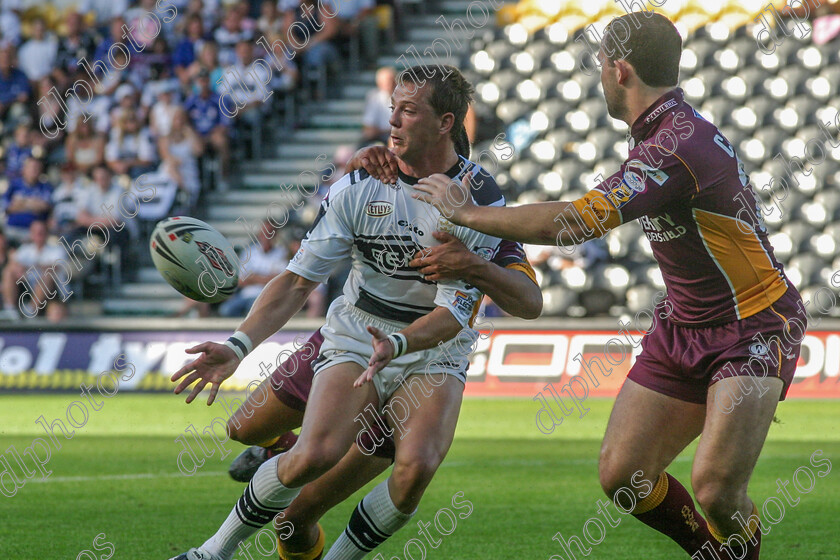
{"type": "Point", "coordinates": [542, 223]}
{"type": "Point", "coordinates": [427, 331]}
{"type": "Point", "coordinates": [511, 290]}
{"type": "Point", "coordinates": [277, 303]}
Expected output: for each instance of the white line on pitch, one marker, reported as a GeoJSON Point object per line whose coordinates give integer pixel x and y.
{"type": "Point", "coordinates": [122, 477]}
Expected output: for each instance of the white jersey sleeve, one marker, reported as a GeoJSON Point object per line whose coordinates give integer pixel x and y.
{"type": "Point", "coordinates": [330, 239]}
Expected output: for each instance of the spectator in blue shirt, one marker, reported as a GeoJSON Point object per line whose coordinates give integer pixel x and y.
{"type": "Point", "coordinates": [208, 120]}
{"type": "Point", "coordinates": [27, 199]}
{"type": "Point", "coordinates": [14, 86]}
{"type": "Point", "coordinates": [19, 150]}
{"type": "Point", "coordinates": [187, 49]}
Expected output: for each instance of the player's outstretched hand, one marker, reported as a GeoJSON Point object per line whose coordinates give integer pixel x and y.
{"type": "Point", "coordinates": [451, 260]}
{"type": "Point", "coordinates": [376, 160]}
{"type": "Point", "coordinates": [383, 352]}
{"type": "Point", "coordinates": [451, 198]}
{"type": "Point", "coordinates": [216, 363]}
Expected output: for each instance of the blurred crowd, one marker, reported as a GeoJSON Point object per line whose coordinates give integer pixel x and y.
{"type": "Point", "coordinates": [102, 93]}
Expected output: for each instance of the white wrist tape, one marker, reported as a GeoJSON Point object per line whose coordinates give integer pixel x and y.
{"type": "Point", "coordinates": [400, 344]}
{"type": "Point", "coordinates": [240, 343]}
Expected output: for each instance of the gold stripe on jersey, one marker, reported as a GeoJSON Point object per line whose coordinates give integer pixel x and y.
{"type": "Point", "coordinates": [476, 307]}
{"type": "Point", "coordinates": [597, 213]}
{"type": "Point", "coordinates": [526, 268]}
{"type": "Point", "coordinates": [743, 261]}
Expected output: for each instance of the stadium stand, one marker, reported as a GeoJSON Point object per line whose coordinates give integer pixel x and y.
{"type": "Point", "coordinates": [526, 65]}
{"type": "Point", "coordinates": [528, 75]}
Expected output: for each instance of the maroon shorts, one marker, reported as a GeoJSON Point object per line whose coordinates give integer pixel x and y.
{"type": "Point", "coordinates": [291, 383]}
{"type": "Point", "coordinates": [683, 362]}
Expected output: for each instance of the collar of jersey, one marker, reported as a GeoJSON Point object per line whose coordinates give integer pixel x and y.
{"type": "Point", "coordinates": [642, 129]}
{"type": "Point", "coordinates": [452, 172]}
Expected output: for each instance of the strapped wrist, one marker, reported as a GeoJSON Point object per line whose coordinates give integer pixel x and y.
{"type": "Point", "coordinates": [400, 344]}
{"type": "Point", "coordinates": [240, 343]}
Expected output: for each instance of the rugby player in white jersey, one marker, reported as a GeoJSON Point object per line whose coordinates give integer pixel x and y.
{"type": "Point", "coordinates": [413, 323]}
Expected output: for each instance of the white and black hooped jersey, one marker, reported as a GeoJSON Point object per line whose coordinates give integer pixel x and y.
{"type": "Point", "coordinates": [380, 227]}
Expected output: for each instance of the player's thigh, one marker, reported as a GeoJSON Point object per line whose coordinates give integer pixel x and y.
{"type": "Point", "coordinates": [424, 437]}
{"type": "Point", "coordinates": [263, 417]}
{"type": "Point", "coordinates": [339, 483]}
{"type": "Point", "coordinates": [645, 432]}
{"type": "Point", "coordinates": [733, 438]}
{"type": "Point", "coordinates": [329, 425]}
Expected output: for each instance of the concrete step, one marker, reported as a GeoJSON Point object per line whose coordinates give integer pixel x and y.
{"type": "Point", "coordinates": [233, 213]}
{"type": "Point", "coordinates": [345, 105]}
{"type": "Point", "coordinates": [149, 274]}
{"type": "Point", "coordinates": [280, 181]}
{"type": "Point", "coordinates": [320, 136]}
{"type": "Point", "coordinates": [286, 165]}
{"type": "Point", "coordinates": [358, 91]}
{"type": "Point", "coordinates": [334, 120]}
{"type": "Point", "coordinates": [150, 290]}
{"type": "Point", "coordinates": [249, 198]}
{"type": "Point", "coordinates": [362, 77]}
{"type": "Point", "coordinates": [142, 307]}
{"type": "Point", "coordinates": [309, 150]}
{"type": "Point", "coordinates": [460, 7]}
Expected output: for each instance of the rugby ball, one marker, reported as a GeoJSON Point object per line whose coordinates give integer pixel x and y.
{"type": "Point", "coordinates": [195, 259]}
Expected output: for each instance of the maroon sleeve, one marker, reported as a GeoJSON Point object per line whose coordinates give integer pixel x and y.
{"type": "Point", "coordinates": [639, 188]}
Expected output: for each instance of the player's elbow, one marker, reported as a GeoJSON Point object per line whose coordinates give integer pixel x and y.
{"type": "Point", "coordinates": [533, 304]}
{"type": "Point", "coordinates": [298, 284]}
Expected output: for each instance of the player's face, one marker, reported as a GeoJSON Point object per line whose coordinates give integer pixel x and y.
{"type": "Point", "coordinates": [614, 94]}
{"type": "Point", "coordinates": [414, 124]}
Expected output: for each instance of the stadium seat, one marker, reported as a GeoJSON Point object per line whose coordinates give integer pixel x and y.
{"type": "Point", "coordinates": [555, 110]}
{"type": "Point", "coordinates": [782, 245]}
{"type": "Point", "coordinates": [830, 200]}
{"type": "Point", "coordinates": [762, 107]}
{"type": "Point", "coordinates": [525, 173]}
{"type": "Point", "coordinates": [510, 110]}
{"type": "Point", "coordinates": [507, 81]}
{"type": "Point", "coordinates": [640, 298]}
{"type": "Point", "coordinates": [806, 108]}
{"type": "Point", "coordinates": [557, 300]}
{"type": "Point", "coordinates": [825, 84]}
{"type": "Point", "coordinates": [807, 266]}
{"type": "Point", "coordinates": [597, 301]}
{"type": "Point", "coordinates": [827, 243]}
{"type": "Point", "coordinates": [799, 234]}
{"type": "Point", "coordinates": [815, 214]}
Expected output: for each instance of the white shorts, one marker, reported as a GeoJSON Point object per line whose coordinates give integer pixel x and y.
{"type": "Point", "coordinates": [346, 340]}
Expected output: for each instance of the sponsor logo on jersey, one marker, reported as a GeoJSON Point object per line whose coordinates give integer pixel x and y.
{"type": "Point", "coordinates": [634, 181]}
{"type": "Point", "coordinates": [410, 227]}
{"type": "Point", "coordinates": [759, 350]}
{"type": "Point", "coordinates": [463, 302]}
{"type": "Point", "coordinates": [485, 253]}
{"type": "Point", "coordinates": [379, 208]}
{"type": "Point", "coordinates": [656, 175]}
{"type": "Point", "coordinates": [445, 225]}
{"type": "Point", "coordinates": [621, 194]}
{"type": "Point", "coordinates": [659, 110]}
{"type": "Point", "coordinates": [661, 228]}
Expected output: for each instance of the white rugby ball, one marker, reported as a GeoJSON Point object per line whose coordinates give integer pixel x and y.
{"type": "Point", "coordinates": [195, 259]}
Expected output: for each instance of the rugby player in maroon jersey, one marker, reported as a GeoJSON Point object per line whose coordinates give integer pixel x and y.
{"type": "Point", "coordinates": [723, 347]}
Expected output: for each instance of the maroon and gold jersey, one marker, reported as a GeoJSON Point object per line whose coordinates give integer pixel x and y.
{"type": "Point", "coordinates": [684, 183]}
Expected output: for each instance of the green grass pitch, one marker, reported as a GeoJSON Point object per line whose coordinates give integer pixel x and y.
{"type": "Point", "coordinates": [118, 476]}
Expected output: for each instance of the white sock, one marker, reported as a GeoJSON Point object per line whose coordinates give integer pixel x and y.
{"type": "Point", "coordinates": [375, 519]}
{"type": "Point", "coordinates": [262, 500]}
